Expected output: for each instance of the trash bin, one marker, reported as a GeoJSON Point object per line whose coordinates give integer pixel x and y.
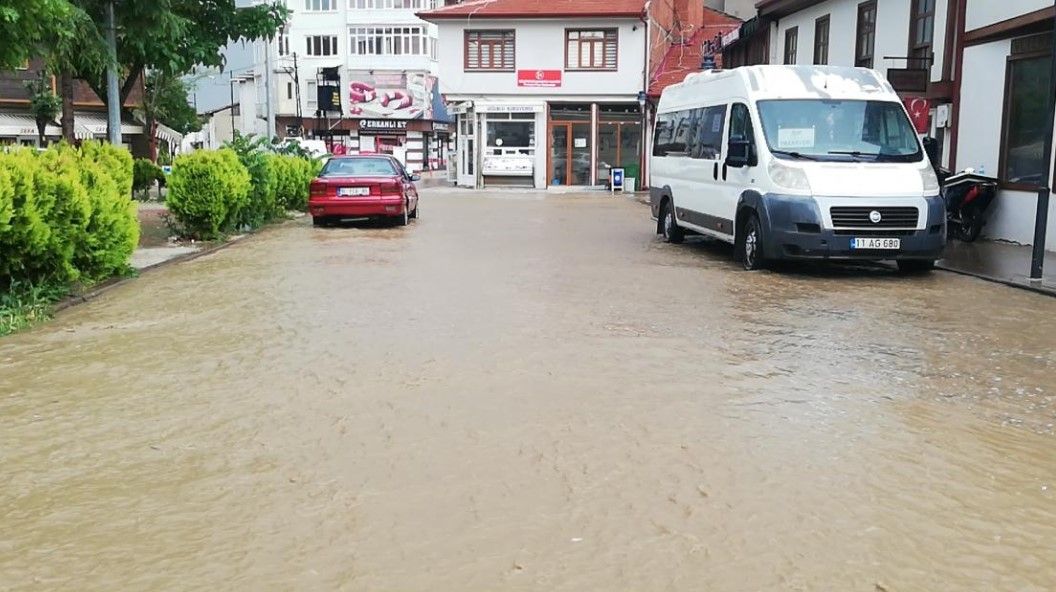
{"type": "Point", "coordinates": [628, 184]}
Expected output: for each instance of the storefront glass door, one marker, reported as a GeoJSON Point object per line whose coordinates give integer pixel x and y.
{"type": "Point", "coordinates": [569, 153]}
{"type": "Point", "coordinates": [466, 154]}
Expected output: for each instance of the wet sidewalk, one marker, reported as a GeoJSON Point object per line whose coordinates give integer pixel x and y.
{"type": "Point", "coordinates": [1006, 263]}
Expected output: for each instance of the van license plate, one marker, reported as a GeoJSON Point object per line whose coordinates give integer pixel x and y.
{"type": "Point", "coordinates": [883, 244]}
{"type": "Point", "coordinates": [353, 191]}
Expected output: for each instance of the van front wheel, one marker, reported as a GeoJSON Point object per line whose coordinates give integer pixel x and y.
{"type": "Point", "coordinates": [751, 244]}
{"type": "Point", "coordinates": [669, 225]}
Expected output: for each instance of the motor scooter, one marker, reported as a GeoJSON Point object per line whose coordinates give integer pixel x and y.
{"type": "Point", "coordinates": [968, 196]}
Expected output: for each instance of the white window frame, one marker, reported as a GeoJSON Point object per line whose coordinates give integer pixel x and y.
{"type": "Point", "coordinates": [393, 4]}
{"type": "Point", "coordinates": [312, 98]}
{"type": "Point", "coordinates": [320, 5]}
{"type": "Point", "coordinates": [321, 46]}
{"type": "Point", "coordinates": [391, 40]}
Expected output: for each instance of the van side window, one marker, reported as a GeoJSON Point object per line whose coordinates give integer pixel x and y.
{"type": "Point", "coordinates": [741, 124]}
{"type": "Point", "coordinates": [708, 141]}
{"type": "Point", "coordinates": [669, 138]}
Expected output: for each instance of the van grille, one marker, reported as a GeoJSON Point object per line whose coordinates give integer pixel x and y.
{"type": "Point", "coordinates": [859, 217]}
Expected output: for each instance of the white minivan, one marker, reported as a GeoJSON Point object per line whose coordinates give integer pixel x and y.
{"type": "Point", "coordinates": [795, 162]}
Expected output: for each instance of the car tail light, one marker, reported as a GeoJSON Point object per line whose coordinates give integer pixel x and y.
{"type": "Point", "coordinates": [318, 189]}
{"type": "Point", "coordinates": [390, 189]}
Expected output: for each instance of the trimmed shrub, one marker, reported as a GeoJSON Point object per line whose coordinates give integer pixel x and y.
{"type": "Point", "coordinates": [144, 174]}
{"type": "Point", "coordinates": [208, 190]}
{"type": "Point", "coordinates": [262, 206]}
{"type": "Point", "coordinates": [294, 175]}
{"type": "Point", "coordinates": [66, 215]}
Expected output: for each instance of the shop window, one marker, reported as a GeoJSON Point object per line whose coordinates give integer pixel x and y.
{"type": "Point", "coordinates": [591, 49]}
{"type": "Point", "coordinates": [921, 32]}
{"type": "Point", "coordinates": [490, 50]}
{"type": "Point", "coordinates": [821, 41]}
{"type": "Point", "coordinates": [322, 45]}
{"type": "Point", "coordinates": [1027, 83]}
{"type": "Point", "coordinates": [791, 43]}
{"type": "Point", "coordinates": [865, 38]}
{"type": "Point", "coordinates": [506, 133]}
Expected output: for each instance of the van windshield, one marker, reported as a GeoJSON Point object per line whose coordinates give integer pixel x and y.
{"type": "Point", "coordinates": [839, 130]}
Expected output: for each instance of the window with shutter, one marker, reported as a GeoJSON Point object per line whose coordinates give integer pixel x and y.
{"type": "Point", "coordinates": [593, 49]}
{"type": "Point", "coordinates": [490, 50]}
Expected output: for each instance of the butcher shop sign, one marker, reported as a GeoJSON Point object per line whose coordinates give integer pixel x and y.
{"type": "Point", "coordinates": [382, 124]}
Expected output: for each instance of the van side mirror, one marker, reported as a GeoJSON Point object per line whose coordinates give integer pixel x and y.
{"type": "Point", "coordinates": [740, 153]}
{"type": "Point", "coordinates": [931, 148]}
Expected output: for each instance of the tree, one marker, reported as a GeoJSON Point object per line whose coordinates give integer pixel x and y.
{"type": "Point", "coordinates": [43, 103]}
{"type": "Point", "coordinates": [165, 101]}
{"type": "Point", "coordinates": [26, 26]}
{"type": "Point", "coordinates": [172, 36]}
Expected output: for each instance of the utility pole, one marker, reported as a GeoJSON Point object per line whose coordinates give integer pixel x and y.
{"type": "Point", "coordinates": [297, 91]}
{"type": "Point", "coordinates": [231, 85]}
{"type": "Point", "coordinates": [113, 95]}
{"type": "Point", "coordinates": [267, 89]}
{"type": "Point", "coordinates": [1041, 218]}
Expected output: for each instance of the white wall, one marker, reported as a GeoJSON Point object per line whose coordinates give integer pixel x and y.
{"type": "Point", "coordinates": [981, 13]}
{"type": "Point", "coordinates": [540, 45]}
{"type": "Point", "coordinates": [892, 34]}
{"type": "Point", "coordinates": [979, 142]}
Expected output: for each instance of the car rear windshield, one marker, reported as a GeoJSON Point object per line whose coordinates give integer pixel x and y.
{"type": "Point", "coordinates": [839, 130]}
{"type": "Point", "coordinates": [359, 167]}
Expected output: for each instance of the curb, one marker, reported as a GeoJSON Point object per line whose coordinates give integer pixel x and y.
{"type": "Point", "coordinates": [106, 286]}
{"type": "Point", "coordinates": [996, 280]}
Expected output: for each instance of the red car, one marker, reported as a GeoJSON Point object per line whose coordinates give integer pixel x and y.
{"type": "Point", "coordinates": [374, 186]}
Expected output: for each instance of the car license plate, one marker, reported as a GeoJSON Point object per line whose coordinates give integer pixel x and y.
{"type": "Point", "coordinates": [882, 244]}
{"type": "Point", "coordinates": [353, 191]}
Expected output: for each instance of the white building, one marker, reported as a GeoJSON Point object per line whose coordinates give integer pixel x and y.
{"type": "Point", "coordinates": [375, 61]}
{"type": "Point", "coordinates": [546, 93]}
{"type": "Point", "coordinates": [1007, 74]}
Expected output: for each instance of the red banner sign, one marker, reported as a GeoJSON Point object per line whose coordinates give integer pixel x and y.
{"type": "Point", "coordinates": [919, 113]}
{"type": "Point", "coordinates": [539, 78]}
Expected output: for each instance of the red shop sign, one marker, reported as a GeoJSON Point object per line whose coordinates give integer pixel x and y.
{"type": "Point", "coordinates": [539, 78]}
{"type": "Point", "coordinates": [919, 113]}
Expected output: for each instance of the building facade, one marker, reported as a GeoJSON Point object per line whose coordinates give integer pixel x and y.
{"type": "Point", "coordinates": [1007, 51]}
{"type": "Point", "coordinates": [551, 94]}
{"type": "Point", "coordinates": [360, 74]}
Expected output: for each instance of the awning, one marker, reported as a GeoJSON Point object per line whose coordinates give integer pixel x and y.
{"type": "Point", "coordinates": [22, 124]}
{"type": "Point", "coordinates": [91, 125]}
{"type": "Point", "coordinates": [168, 134]}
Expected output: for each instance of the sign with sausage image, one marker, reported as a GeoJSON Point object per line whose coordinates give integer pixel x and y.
{"type": "Point", "coordinates": [394, 95]}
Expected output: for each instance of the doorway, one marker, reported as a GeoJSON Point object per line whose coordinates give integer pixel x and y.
{"type": "Point", "coordinates": [569, 153]}
{"type": "Point", "coordinates": [467, 174]}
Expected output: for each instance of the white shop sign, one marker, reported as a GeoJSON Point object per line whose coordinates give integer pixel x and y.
{"type": "Point", "coordinates": [509, 108]}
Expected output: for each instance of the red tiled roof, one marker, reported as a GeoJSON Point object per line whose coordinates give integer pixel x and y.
{"type": "Point", "coordinates": [537, 9]}
{"type": "Point", "coordinates": [682, 59]}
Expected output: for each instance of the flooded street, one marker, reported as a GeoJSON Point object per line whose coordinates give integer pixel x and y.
{"type": "Point", "coordinates": [521, 393]}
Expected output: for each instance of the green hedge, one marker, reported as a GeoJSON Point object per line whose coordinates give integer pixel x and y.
{"type": "Point", "coordinates": [66, 214]}
{"type": "Point", "coordinates": [294, 175]}
{"type": "Point", "coordinates": [208, 190]}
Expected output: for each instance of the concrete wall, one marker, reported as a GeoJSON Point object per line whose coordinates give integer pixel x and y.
{"type": "Point", "coordinates": [981, 13]}
{"type": "Point", "coordinates": [540, 45]}
{"type": "Point", "coordinates": [742, 9]}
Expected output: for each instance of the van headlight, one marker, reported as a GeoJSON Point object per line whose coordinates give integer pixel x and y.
{"type": "Point", "coordinates": [788, 177]}
{"type": "Point", "coordinates": [929, 180]}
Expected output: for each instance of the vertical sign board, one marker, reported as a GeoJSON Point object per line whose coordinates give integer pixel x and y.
{"type": "Point", "coordinates": [616, 178]}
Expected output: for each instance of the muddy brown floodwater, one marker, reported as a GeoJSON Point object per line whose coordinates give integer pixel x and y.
{"type": "Point", "coordinates": [529, 394]}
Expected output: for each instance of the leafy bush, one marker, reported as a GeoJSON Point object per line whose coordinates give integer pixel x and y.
{"type": "Point", "coordinates": [294, 175]}
{"type": "Point", "coordinates": [66, 215]}
{"type": "Point", "coordinates": [144, 174]}
{"type": "Point", "coordinates": [263, 205]}
{"type": "Point", "coordinates": [208, 190]}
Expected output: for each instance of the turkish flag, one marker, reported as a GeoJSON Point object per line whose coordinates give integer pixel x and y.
{"type": "Point", "coordinates": [919, 113]}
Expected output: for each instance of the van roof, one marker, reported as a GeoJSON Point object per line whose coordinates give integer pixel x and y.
{"type": "Point", "coordinates": [781, 82]}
